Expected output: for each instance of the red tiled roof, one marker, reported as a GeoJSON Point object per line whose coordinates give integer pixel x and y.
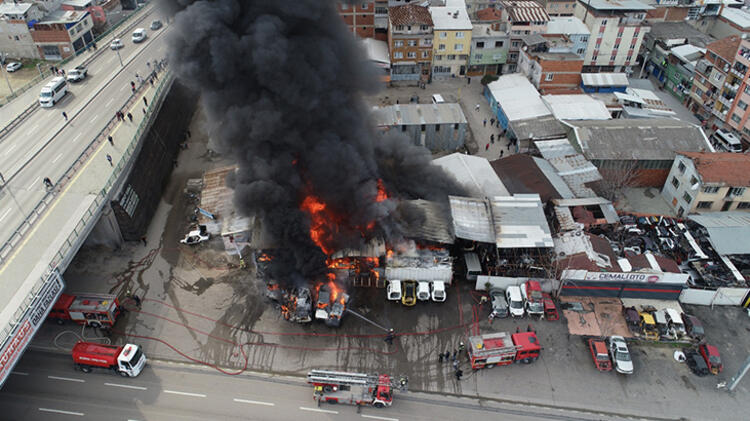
{"type": "Point", "coordinates": [489, 14]}
{"type": "Point", "coordinates": [410, 14]}
{"type": "Point", "coordinates": [725, 48]}
{"type": "Point", "coordinates": [729, 168]}
{"type": "Point", "coordinates": [525, 11]}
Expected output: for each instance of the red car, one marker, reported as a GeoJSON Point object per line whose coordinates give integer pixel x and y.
{"type": "Point", "coordinates": [711, 354]}
{"type": "Point", "coordinates": [600, 355]}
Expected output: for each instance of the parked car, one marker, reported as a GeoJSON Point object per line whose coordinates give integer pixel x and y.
{"type": "Point", "coordinates": [696, 363]}
{"type": "Point", "coordinates": [515, 301]}
{"type": "Point", "coordinates": [409, 297]}
{"type": "Point", "coordinates": [499, 303]}
{"type": "Point", "coordinates": [532, 295]}
{"type": "Point", "coordinates": [599, 353]}
{"type": "Point", "coordinates": [393, 291]}
{"type": "Point", "coordinates": [156, 24]}
{"type": "Point", "coordinates": [712, 358]}
{"type": "Point", "coordinates": [77, 74]}
{"type": "Point", "coordinates": [437, 291]}
{"type": "Point", "coordinates": [694, 327]}
{"type": "Point", "coordinates": [618, 350]}
{"type": "Point", "coordinates": [322, 305]}
{"type": "Point", "coordinates": [423, 290]}
{"type": "Point", "coordinates": [675, 322]}
{"type": "Point", "coordinates": [648, 326]}
{"type": "Point", "coordinates": [139, 35]}
{"type": "Point", "coordinates": [116, 44]}
{"type": "Point", "coordinates": [13, 66]}
{"type": "Point", "coordinates": [196, 236]}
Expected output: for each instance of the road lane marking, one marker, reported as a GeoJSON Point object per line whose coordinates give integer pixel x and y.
{"type": "Point", "coordinates": [254, 402]}
{"type": "Point", "coordinates": [33, 183]}
{"type": "Point", "coordinates": [17, 373]}
{"type": "Point", "coordinates": [66, 379]}
{"type": "Point", "coordinates": [325, 411]}
{"type": "Point", "coordinates": [10, 148]}
{"type": "Point", "coordinates": [59, 411]}
{"type": "Point", "coordinates": [93, 119]}
{"type": "Point", "coordinates": [123, 87]}
{"type": "Point", "coordinates": [57, 158]}
{"type": "Point", "coordinates": [197, 395]}
{"type": "Point", "coordinates": [379, 418]}
{"type": "Point", "coordinates": [75, 139]}
{"type": "Point", "coordinates": [1, 218]}
{"type": "Point", "coordinates": [34, 127]}
{"type": "Point", "coordinates": [126, 386]}
{"type": "Point", "coordinates": [109, 103]}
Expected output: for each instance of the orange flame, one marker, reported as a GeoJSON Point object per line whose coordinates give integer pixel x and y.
{"type": "Point", "coordinates": [382, 193]}
{"type": "Point", "coordinates": [319, 220]}
{"type": "Point", "coordinates": [264, 258]}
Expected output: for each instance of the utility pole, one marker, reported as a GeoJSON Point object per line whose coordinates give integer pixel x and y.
{"type": "Point", "coordinates": [118, 56]}
{"type": "Point", "coordinates": [737, 377]}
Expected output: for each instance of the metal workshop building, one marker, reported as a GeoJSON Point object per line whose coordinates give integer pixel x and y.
{"type": "Point", "coordinates": [438, 127]}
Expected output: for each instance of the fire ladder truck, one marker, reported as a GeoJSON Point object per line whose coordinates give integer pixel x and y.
{"type": "Point", "coordinates": [354, 388]}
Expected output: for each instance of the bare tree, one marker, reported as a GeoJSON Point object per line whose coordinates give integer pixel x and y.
{"type": "Point", "coordinates": [615, 177]}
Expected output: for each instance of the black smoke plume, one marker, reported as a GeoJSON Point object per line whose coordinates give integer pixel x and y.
{"type": "Point", "coordinates": [281, 84]}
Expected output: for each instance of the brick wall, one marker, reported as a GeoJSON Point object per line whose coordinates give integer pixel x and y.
{"type": "Point", "coordinates": [360, 20]}
{"type": "Point", "coordinates": [566, 74]}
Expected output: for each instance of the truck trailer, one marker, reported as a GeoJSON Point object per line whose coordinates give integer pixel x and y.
{"type": "Point", "coordinates": [502, 348]}
{"type": "Point", "coordinates": [127, 361]}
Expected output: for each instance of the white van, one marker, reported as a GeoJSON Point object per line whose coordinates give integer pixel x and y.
{"type": "Point", "coordinates": [139, 35]}
{"type": "Point", "coordinates": [727, 141]}
{"type": "Point", "coordinates": [437, 289]}
{"type": "Point", "coordinates": [53, 91]}
{"type": "Point", "coordinates": [515, 301]}
{"type": "Point", "coordinates": [423, 290]}
{"type": "Point", "coordinates": [394, 290]}
{"type": "Point", "coordinates": [473, 268]}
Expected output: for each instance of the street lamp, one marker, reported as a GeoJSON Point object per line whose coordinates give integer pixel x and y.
{"type": "Point", "coordinates": [118, 56]}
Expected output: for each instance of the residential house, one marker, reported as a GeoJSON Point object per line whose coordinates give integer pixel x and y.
{"type": "Point", "coordinates": [410, 42]}
{"type": "Point", "coordinates": [708, 182]}
{"type": "Point", "coordinates": [63, 33]}
{"type": "Point", "coordinates": [559, 7]}
{"type": "Point", "coordinates": [662, 37]}
{"type": "Point", "coordinates": [717, 81]}
{"type": "Point", "coordinates": [474, 6]}
{"type": "Point", "coordinates": [381, 14]}
{"type": "Point", "coordinates": [526, 17]}
{"type": "Point", "coordinates": [617, 31]}
{"type": "Point", "coordinates": [359, 17]}
{"type": "Point", "coordinates": [636, 152]}
{"type": "Point", "coordinates": [489, 48]}
{"type": "Point", "coordinates": [551, 64]}
{"type": "Point", "coordinates": [438, 127]}
{"type": "Point", "coordinates": [574, 29]}
{"type": "Point", "coordinates": [16, 40]}
{"type": "Point", "coordinates": [98, 15]}
{"type": "Point", "coordinates": [739, 115]}
{"type": "Point", "coordinates": [730, 21]}
{"type": "Point", "coordinates": [451, 41]}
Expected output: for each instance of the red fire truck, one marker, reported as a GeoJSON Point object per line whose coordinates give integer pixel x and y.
{"type": "Point", "coordinates": [127, 361]}
{"type": "Point", "coordinates": [353, 388]}
{"type": "Point", "coordinates": [95, 310]}
{"type": "Point", "coordinates": [503, 348]}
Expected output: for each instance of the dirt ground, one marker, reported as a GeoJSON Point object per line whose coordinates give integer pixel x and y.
{"type": "Point", "coordinates": [19, 78]}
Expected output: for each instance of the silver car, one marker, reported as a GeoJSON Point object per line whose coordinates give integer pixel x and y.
{"type": "Point", "coordinates": [12, 67]}
{"type": "Point", "coordinates": [618, 349]}
{"type": "Point", "coordinates": [499, 303]}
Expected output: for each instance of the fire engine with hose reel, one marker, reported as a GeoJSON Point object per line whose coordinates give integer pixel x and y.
{"type": "Point", "coordinates": [503, 348]}
{"type": "Point", "coordinates": [354, 388]}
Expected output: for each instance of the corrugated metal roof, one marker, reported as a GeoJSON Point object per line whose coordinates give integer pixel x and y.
{"type": "Point", "coordinates": [526, 11]}
{"type": "Point", "coordinates": [409, 114]}
{"type": "Point", "coordinates": [576, 107]}
{"type": "Point", "coordinates": [570, 165]}
{"type": "Point", "coordinates": [517, 97]}
{"type": "Point", "coordinates": [434, 226]}
{"type": "Point", "coordinates": [473, 172]}
{"type": "Point", "coordinates": [729, 232]}
{"type": "Point", "coordinates": [471, 219]}
{"type": "Point", "coordinates": [605, 79]}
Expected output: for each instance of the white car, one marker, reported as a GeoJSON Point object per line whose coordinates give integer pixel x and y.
{"type": "Point", "coordinates": [393, 291]}
{"type": "Point", "coordinates": [423, 290]}
{"type": "Point", "coordinates": [618, 349]}
{"type": "Point", "coordinates": [515, 301]}
{"type": "Point", "coordinates": [77, 74]}
{"type": "Point", "coordinates": [437, 290]}
{"type": "Point", "coordinates": [139, 35]}
{"type": "Point", "coordinates": [196, 236]}
{"type": "Point", "coordinates": [13, 66]}
{"type": "Point", "coordinates": [116, 44]}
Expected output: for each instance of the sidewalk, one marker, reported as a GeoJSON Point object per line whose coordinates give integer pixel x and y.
{"type": "Point", "coordinates": [19, 104]}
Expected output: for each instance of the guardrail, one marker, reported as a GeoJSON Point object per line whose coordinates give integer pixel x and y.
{"type": "Point", "coordinates": [101, 198]}
{"type": "Point", "coordinates": [47, 72]}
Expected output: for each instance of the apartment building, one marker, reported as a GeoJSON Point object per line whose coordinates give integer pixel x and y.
{"type": "Point", "coordinates": [559, 7]}
{"type": "Point", "coordinates": [552, 65]}
{"type": "Point", "coordinates": [61, 34]}
{"type": "Point", "coordinates": [708, 182]}
{"type": "Point", "coordinates": [410, 37]}
{"type": "Point", "coordinates": [525, 17]}
{"type": "Point", "coordinates": [617, 31]}
{"type": "Point", "coordinates": [574, 29]}
{"type": "Point", "coordinates": [489, 44]}
{"type": "Point", "coordinates": [16, 40]}
{"type": "Point", "coordinates": [451, 40]}
{"type": "Point", "coordinates": [718, 79]}
{"type": "Point", "coordinates": [359, 17]}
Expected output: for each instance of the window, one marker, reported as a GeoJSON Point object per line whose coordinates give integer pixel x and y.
{"type": "Point", "coordinates": [498, 44]}
{"type": "Point", "coordinates": [480, 44]}
{"type": "Point", "coordinates": [743, 205]}
{"type": "Point", "coordinates": [443, 35]}
{"type": "Point", "coordinates": [398, 54]}
{"type": "Point", "coordinates": [681, 168]}
{"type": "Point", "coordinates": [736, 191]}
{"type": "Point", "coordinates": [423, 128]}
{"type": "Point", "coordinates": [403, 128]}
{"type": "Point", "coordinates": [584, 39]}
{"type": "Point", "coordinates": [710, 190]}
{"type": "Point", "coordinates": [675, 182]}
{"type": "Point", "coordinates": [458, 47]}
{"type": "Point", "coordinates": [451, 57]}
{"type": "Point", "coordinates": [742, 105]}
{"type": "Point", "coordinates": [736, 118]}
{"type": "Point", "coordinates": [398, 44]}
{"type": "Point", "coordinates": [459, 34]}
{"type": "Point", "coordinates": [408, 27]}
{"type": "Point", "coordinates": [441, 47]}
{"type": "Point", "coordinates": [478, 56]}
{"type": "Point", "coordinates": [746, 131]}
{"type": "Point", "coordinates": [680, 211]}
{"type": "Point", "coordinates": [399, 27]}
{"type": "Point", "coordinates": [437, 127]}
{"type": "Point", "coordinates": [411, 54]}
{"type": "Point", "coordinates": [580, 51]}
{"type": "Point", "coordinates": [423, 27]}
{"type": "Point", "coordinates": [364, 6]}
{"type": "Point", "coordinates": [686, 197]}
{"type": "Point", "coordinates": [549, 76]}
{"type": "Point", "coordinates": [617, 46]}
{"type": "Point", "coordinates": [693, 181]}
{"type": "Point", "coordinates": [514, 44]}
{"type": "Point", "coordinates": [412, 43]}
{"type": "Point", "coordinates": [425, 54]}
{"type": "Point", "coordinates": [706, 205]}
{"type": "Point", "coordinates": [438, 57]}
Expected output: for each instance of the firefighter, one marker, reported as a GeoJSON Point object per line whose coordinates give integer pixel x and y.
{"type": "Point", "coordinates": [459, 374]}
{"type": "Point", "coordinates": [403, 381]}
{"type": "Point", "coordinates": [461, 347]}
{"type": "Point", "coordinates": [389, 337]}
{"type": "Point", "coordinates": [440, 357]}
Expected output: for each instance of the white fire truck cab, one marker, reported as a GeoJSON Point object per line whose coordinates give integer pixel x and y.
{"type": "Point", "coordinates": [351, 388]}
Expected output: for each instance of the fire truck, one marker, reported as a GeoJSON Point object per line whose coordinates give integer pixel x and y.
{"type": "Point", "coordinates": [95, 310]}
{"type": "Point", "coordinates": [353, 388]}
{"type": "Point", "coordinates": [502, 348]}
{"type": "Point", "coordinates": [127, 361]}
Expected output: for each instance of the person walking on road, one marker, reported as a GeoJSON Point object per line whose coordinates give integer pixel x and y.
{"type": "Point", "coordinates": [47, 182]}
{"type": "Point", "coordinates": [389, 338]}
{"type": "Point", "coordinates": [487, 147]}
{"type": "Point", "coordinates": [130, 117]}
{"type": "Point", "coordinates": [65, 115]}
{"type": "Point", "coordinates": [484, 123]}
{"type": "Point", "coordinates": [501, 153]}
{"type": "Point", "coordinates": [145, 101]}
{"type": "Point", "coordinates": [109, 158]}
{"type": "Point", "coordinates": [492, 138]}
{"type": "Point", "coordinates": [111, 141]}
{"type": "Point", "coordinates": [455, 364]}
{"type": "Point", "coordinates": [440, 358]}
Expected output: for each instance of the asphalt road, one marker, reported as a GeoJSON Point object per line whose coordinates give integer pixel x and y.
{"type": "Point", "coordinates": [45, 386]}
{"type": "Point", "coordinates": [46, 145]}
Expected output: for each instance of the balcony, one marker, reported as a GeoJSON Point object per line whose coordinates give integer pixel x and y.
{"type": "Point", "coordinates": [738, 72]}
{"type": "Point", "coordinates": [732, 87]}
{"type": "Point", "coordinates": [719, 114]}
{"type": "Point", "coordinates": [726, 101]}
